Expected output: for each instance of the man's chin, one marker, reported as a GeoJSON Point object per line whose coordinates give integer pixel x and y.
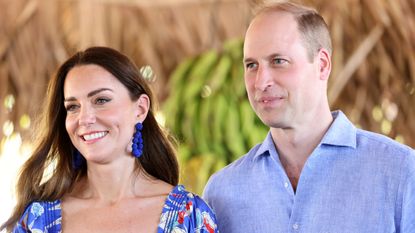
{"type": "Point", "coordinates": [275, 123]}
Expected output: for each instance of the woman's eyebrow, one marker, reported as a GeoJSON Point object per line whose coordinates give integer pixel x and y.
{"type": "Point", "coordinates": [92, 93]}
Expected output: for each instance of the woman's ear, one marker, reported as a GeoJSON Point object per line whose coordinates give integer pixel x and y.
{"type": "Point", "coordinates": [324, 63]}
{"type": "Point", "coordinates": [143, 106]}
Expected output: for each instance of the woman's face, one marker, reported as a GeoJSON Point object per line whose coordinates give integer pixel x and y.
{"type": "Point", "coordinates": [100, 113]}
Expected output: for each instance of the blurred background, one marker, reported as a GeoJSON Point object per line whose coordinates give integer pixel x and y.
{"type": "Point", "coordinates": [191, 53]}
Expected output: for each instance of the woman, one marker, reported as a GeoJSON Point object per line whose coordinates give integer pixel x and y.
{"type": "Point", "coordinates": [114, 169]}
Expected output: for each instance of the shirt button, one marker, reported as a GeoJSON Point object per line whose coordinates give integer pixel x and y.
{"type": "Point", "coordinates": [295, 226]}
{"type": "Point", "coordinates": [286, 184]}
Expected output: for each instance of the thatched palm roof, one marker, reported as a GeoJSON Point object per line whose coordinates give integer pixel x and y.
{"type": "Point", "coordinates": [373, 77]}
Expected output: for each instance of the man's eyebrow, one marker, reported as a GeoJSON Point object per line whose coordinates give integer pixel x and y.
{"type": "Point", "coordinates": [92, 93]}
{"type": "Point", "coordinates": [274, 55]}
{"type": "Point", "coordinates": [269, 57]}
{"type": "Point", "coordinates": [247, 60]}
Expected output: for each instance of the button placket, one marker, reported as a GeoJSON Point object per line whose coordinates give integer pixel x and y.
{"type": "Point", "coordinates": [286, 185]}
{"type": "Point", "coordinates": [296, 226]}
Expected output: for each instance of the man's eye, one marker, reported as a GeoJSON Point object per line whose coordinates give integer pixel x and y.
{"type": "Point", "coordinates": [251, 65]}
{"type": "Point", "coordinates": [279, 61]}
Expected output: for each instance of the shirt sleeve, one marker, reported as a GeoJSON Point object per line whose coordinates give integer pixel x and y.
{"type": "Point", "coordinates": [408, 200]}
{"type": "Point", "coordinates": [207, 192]}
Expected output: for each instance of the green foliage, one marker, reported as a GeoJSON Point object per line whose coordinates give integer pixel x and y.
{"type": "Point", "coordinates": [209, 112]}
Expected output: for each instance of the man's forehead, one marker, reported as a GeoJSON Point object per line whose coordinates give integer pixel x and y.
{"type": "Point", "coordinates": [270, 23]}
{"type": "Point", "coordinates": [271, 29]}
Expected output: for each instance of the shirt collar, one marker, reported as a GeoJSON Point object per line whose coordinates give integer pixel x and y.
{"type": "Point", "coordinates": [266, 147]}
{"type": "Point", "coordinates": [340, 133]}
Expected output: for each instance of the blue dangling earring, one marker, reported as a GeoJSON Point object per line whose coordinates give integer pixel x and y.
{"type": "Point", "coordinates": [138, 141]}
{"type": "Point", "coordinates": [77, 159]}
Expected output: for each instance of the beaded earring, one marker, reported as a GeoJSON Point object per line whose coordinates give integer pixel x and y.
{"type": "Point", "coordinates": [138, 141]}
{"type": "Point", "coordinates": [77, 160]}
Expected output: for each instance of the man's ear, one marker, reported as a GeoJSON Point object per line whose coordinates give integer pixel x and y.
{"type": "Point", "coordinates": [324, 64]}
{"type": "Point", "coordinates": [143, 106]}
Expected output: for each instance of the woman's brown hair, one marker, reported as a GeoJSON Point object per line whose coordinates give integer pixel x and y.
{"type": "Point", "coordinates": [54, 145]}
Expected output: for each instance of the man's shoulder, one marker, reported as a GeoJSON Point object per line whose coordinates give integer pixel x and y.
{"type": "Point", "coordinates": [383, 144]}
{"type": "Point", "coordinates": [235, 170]}
{"type": "Point", "coordinates": [246, 160]}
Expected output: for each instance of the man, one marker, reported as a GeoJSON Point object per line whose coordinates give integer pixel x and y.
{"type": "Point", "coordinates": [315, 172]}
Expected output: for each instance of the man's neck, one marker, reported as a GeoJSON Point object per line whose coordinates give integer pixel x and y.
{"type": "Point", "coordinates": [295, 145]}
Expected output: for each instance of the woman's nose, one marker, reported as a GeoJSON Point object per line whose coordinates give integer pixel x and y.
{"type": "Point", "coordinates": [86, 116]}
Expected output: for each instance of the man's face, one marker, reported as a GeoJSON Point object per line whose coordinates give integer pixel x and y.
{"type": "Point", "coordinates": [283, 86]}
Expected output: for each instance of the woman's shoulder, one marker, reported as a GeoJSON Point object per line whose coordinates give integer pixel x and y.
{"type": "Point", "coordinates": [185, 211]}
{"type": "Point", "coordinates": [41, 216]}
{"type": "Point", "coordinates": [180, 198]}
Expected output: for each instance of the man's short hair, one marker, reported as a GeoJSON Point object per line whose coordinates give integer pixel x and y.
{"type": "Point", "coordinates": [311, 25]}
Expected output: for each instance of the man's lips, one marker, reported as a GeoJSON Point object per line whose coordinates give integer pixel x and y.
{"type": "Point", "coordinates": [269, 99]}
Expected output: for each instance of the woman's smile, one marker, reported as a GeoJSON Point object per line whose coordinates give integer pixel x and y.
{"type": "Point", "coordinates": [93, 136]}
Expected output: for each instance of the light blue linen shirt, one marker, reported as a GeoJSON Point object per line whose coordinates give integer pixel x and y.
{"type": "Point", "coordinates": [354, 181]}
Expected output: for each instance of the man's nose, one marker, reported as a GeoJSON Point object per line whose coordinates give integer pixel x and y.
{"type": "Point", "coordinates": [263, 78]}
{"type": "Point", "coordinates": [86, 116]}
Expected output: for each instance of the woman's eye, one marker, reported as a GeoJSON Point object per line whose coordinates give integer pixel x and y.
{"type": "Point", "coordinates": [102, 100]}
{"type": "Point", "coordinates": [71, 107]}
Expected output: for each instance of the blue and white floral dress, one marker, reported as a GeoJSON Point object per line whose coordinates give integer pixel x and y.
{"type": "Point", "coordinates": [183, 212]}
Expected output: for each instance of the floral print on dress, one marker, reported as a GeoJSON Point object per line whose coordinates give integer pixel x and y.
{"type": "Point", "coordinates": [37, 210]}
{"type": "Point", "coordinates": [41, 217]}
{"type": "Point", "coordinates": [183, 212]}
